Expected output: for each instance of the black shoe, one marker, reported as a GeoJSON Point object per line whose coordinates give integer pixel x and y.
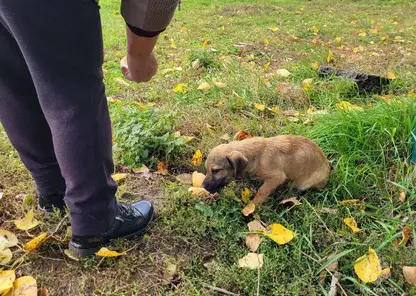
{"type": "Point", "coordinates": [132, 220]}
{"type": "Point", "coordinates": [47, 203]}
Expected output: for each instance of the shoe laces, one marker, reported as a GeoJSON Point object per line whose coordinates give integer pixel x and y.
{"type": "Point", "coordinates": [125, 209]}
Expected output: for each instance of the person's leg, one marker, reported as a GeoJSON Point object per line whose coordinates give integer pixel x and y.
{"type": "Point", "coordinates": [61, 43]}
{"type": "Point", "coordinates": [25, 124]}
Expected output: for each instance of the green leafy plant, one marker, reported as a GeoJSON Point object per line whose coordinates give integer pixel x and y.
{"type": "Point", "coordinates": [144, 135]}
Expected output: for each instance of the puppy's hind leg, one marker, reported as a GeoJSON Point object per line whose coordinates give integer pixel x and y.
{"type": "Point", "coordinates": [267, 188]}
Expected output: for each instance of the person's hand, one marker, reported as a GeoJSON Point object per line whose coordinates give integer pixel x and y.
{"type": "Point", "coordinates": [139, 68]}
{"type": "Point", "coordinates": [140, 65]}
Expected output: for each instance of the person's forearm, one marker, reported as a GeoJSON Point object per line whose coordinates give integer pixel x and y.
{"type": "Point", "coordinates": [138, 45]}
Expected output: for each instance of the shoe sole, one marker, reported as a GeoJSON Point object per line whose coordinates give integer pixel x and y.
{"type": "Point", "coordinates": [82, 253]}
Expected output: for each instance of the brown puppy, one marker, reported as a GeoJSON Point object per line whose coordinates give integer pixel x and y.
{"type": "Point", "coordinates": [274, 160]}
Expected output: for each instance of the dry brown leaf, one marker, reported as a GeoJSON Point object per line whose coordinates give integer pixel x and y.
{"type": "Point", "coordinates": [204, 86]}
{"type": "Point", "coordinates": [283, 73]}
{"type": "Point", "coordinates": [251, 261]}
{"type": "Point", "coordinates": [43, 292]}
{"type": "Point", "coordinates": [253, 241]}
{"type": "Point", "coordinates": [350, 202]}
{"type": "Point", "coordinates": [241, 135]}
{"type": "Point", "coordinates": [197, 179]}
{"type": "Point", "coordinates": [406, 233]}
{"type": "Point", "coordinates": [292, 113]}
{"type": "Point", "coordinates": [334, 265]}
{"type": "Point", "coordinates": [292, 201]}
{"type": "Point", "coordinates": [329, 211]}
{"type": "Point", "coordinates": [184, 179]}
{"type": "Point", "coordinates": [162, 168]}
{"type": "Point", "coordinates": [402, 196]}
{"type": "Point", "coordinates": [255, 225]}
{"type": "Point", "coordinates": [249, 209]}
{"type": "Point", "coordinates": [409, 273]}
{"type": "Point", "coordinates": [141, 170]}
{"type": "Point", "coordinates": [200, 192]}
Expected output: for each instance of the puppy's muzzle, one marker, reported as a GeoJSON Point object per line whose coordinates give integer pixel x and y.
{"type": "Point", "coordinates": [213, 185]}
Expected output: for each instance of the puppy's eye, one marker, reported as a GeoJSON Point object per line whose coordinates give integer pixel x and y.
{"type": "Point", "coordinates": [216, 171]}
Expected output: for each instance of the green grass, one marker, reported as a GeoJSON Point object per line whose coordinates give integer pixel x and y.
{"type": "Point", "coordinates": [369, 150]}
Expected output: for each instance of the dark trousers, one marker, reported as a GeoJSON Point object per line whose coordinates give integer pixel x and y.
{"type": "Point", "coordinates": [53, 105]}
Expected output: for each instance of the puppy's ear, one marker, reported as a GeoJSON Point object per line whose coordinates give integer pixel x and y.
{"type": "Point", "coordinates": [239, 163]}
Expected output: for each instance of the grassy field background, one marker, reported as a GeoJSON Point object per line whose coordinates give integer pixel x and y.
{"type": "Point", "coordinates": [237, 48]}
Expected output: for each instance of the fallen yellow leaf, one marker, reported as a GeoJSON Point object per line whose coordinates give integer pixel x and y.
{"type": "Point", "coordinates": [197, 179]}
{"type": "Point", "coordinates": [406, 233]}
{"type": "Point", "coordinates": [246, 194]}
{"type": "Point", "coordinates": [162, 168]}
{"type": "Point", "coordinates": [255, 225]}
{"type": "Point", "coordinates": [179, 88]}
{"type": "Point", "coordinates": [266, 66]}
{"type": "Point", "coordinates": [250, 208]}
{"type": "Point", "coordinates": [390, 75]}
{"type": "Point", "coordinates": [197, 158]}
{"type": "Point", "coordinates": [385, 272]}
{"type": "Point", "coordinates": [338, 40]}
{"type": "Point", "coordinates": [35, 243]}
{"type": "Point", "coordinates": [69, 255]}
{"type": "Point", "coordinates": [347, 106]}
{"type": "Point", "coordinates": [204, 86]}
{"type": "Point", "coordinates": [409, 273]}
{"type": "Point", "coordinates": [119, 177]}
{"type": "Point", "coordinates": [351, 223]}
{"type": "Point", "coordinates": [329, 57]}
{"type": "Point", "coordinates": [251, 261]}
{"type": "Point", "coordinates": [9, 239]}
{"type": "Point", "coordinates": [25, 286]}
{"type": "Point", "coordinates": [141, 170]}
{"type": "Point", "coordinates": [7, 278]}
{"type": "Point", "coordinates": [384, 38]}
{"type": "Point", "coordinates": [279, 234]}
{"type": "Point", "coordinates": [259, 107]}
{"type": "Point", "coordinates": [315, 66]}
{"type": "Point", "coordinates": [274, 29]}
{"type": "Point", "coordinates": [104, 252]}
{"type": "Point", "coordinates": [253, 241]}
{"type": "Point", "coordinates": [307, 84]}
{"type": "Point", "coordinates": [274, 109]}
{"type": "Point", "coordinates": [172, 43]}
{"type": "Point", "coordinates": [356, 49]}
{"type": "Point", "coordinates": [28, 222]}
{"type": "Point", "coordinates": [368, 267]}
